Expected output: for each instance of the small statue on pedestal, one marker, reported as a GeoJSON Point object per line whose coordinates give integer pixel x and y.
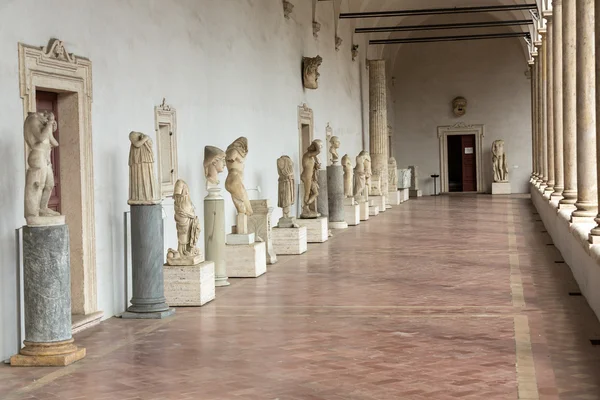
{"type": "Point", "coordinates": [334, 145]}
{"type": "Point", "coordinates": [392, 175]}
{"type": "Point", "coordinates": [285, 199]}
{"type": "Point", "coordinates": [348, 177]}
{"type": "Point", "coordinates": [235, 156]}
{"type": "Point", "coordinates": [188, 228]}
{"type": "Point", "coordinates": [360, 178]}
{"type": "Point", "coordinates": [310, 179]}
{"type": "Point", "coordinates": [142, 182]}
{"type": "Point", "coordinates": [38, 131]}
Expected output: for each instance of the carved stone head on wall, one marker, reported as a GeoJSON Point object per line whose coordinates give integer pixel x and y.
{"type": "Point", "coordinates": [310, 73]}
{"type": "Point", "coordinates": [459, 106]}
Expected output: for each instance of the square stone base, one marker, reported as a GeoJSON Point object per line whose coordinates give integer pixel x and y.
{"type": "Point", "coordinates": [352, 214]}
{"type": "Point", "coordinates": [59, 360]}
{"type": "Point", "coordinates": [501, 188]}
{"type": "Point", "coordinates": [148, 315]}
{"type": "Point", "coordinates": [317, 229]}
{"type": "Point", "coordinates": [236, 238]}
{"type": "Point", "coordinates": [373, 211]}
{"type": "Point", "coordinates": [378, 201]}
{"type": "Point", "coordinates": [246, 260]}
{"type": "Point", "coordinates": [393, 198]}
{"type": "Point", "coordinates": [415, 193]}
{"type": "Point", "coordinates": [290, 241]}
{"type": "Point", "coordinates": [192, 285]}
{"type": "Point", "coordinates": [364, 211]}
{"type": "Point", "coordinates": [404, 195]}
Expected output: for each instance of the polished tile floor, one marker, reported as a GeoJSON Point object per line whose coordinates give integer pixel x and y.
{"type": "Point", "coordinates": [449, 297]}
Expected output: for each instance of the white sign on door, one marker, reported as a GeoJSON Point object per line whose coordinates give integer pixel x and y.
{"type": "Point", "coordinates": [468, 150]}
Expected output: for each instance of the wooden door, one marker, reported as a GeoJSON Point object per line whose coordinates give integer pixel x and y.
{"type": "Point", "coordinates": [48, 101]}
{"type": "Point", "coordinates": [469, 166]}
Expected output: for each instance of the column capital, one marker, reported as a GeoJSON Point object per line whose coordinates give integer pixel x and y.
{"type": "Point", "coordinates": [542, 32]}
{"type": "Point", "coordinates": [547, 15]}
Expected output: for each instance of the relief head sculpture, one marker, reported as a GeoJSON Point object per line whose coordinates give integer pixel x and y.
{"type": "Point", "coordinates": [310, 73]}
{"type": "Point", "coordinates": [459, 106]}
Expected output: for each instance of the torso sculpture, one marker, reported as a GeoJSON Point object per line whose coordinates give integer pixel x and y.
{"type": "Point", "coordinates": [334, 145]}
{"type": "Point", "coordinates": [142, 183]}
{"type": "Point", "coordinates": [360, 178]}
{"type": "Point", "coordinates": [392, 175]}
{"type": "Point", "coordinates": [188, 226]}
{"type": "Point", "coordinates": [348, 176]}
{"type": "Point", "coordinates": [287, 190]}
{"type": "Point", "coordinates": [235, 156]}
{"type": "Point", "coordinates": [499, 161]}
{"type": "Point", "coordinates": [38, 131]}
{"type": "Point", "coordinates": [310, 179]}
{"type": "Point", "coordinates": [214, 160]}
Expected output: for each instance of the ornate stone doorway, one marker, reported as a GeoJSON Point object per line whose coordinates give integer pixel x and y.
{"type": "Point", "coordinates": [462, 129]}
{"type": "Point", "coordinates": [51, 69]}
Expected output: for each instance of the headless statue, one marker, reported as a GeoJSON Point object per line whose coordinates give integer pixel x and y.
{"type": "Point", "coordinates": [188, 227]}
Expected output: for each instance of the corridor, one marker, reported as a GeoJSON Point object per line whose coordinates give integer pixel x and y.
{"type": "Point", "coordinates": [449, 297]}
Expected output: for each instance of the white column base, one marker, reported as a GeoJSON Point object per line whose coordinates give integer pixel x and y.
{"type": "Point", "coordinates": [290, 241]}
{"type": "Point", "coordinates": [246, 261]}
{"type": "Point", "coordinates": [317, 229]}
{"type": "Point", "coordinates": [189, 285]}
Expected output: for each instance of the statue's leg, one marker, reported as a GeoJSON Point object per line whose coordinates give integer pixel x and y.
{"type": "Point", "coordinates": [247, 205]}
{"type": "Point", "coordinates": [239, 205]}
{"type": "Point", "coordinates": [286, 212]}
{"type": "Point", "coordinates": [307, 185]}
{"type": "Point", "coordinates": [48, 178]}
{"type": "Point", "coordinates": [33, 192]}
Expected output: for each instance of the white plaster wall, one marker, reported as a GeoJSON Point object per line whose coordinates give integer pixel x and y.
{"type": "Point", "coordinates": [229, 67]}
{"type": "Point", "coordinates": [490, 74]}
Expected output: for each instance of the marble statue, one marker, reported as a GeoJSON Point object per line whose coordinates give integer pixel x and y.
{"type": "Point", "coordinates": [38, 130]}
{"type": "Point", "coordinates": [392, 175]}
{"type": "Point", "coordinates": [360, 181]}
{"type": "Point", "coordinates": [235, 156]}
{"type": "Point", "coordinates": [368, 173]}
{"type": "Point", "coordinates": [404, 178]}
{"type": "Point", "coordinates": [499, 161]}
{"type": "Point", "coordinates": [459, 106]}
{"type": "Point", "coordinates": [142, 182]}
{"type": "Point", "coordinates": [310, 179]}
{"type": "Point", "coordinates": [348, 177]}
{"type": "Point", "coordinates": [188, 227]}
{"type": "Point", "coordinates": [287, 191]}
{"type": "Point", "coordinates": [310, 73]}
{"type": "Point", "coordinates": [214, 163]}
{"type": "Point", "coordinates": [334, 145]}
{"type": "Point", "coordinates": [375, 184]}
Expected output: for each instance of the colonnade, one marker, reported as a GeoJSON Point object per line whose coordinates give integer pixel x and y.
{"type": "Point", "coordinates": [564, 89]}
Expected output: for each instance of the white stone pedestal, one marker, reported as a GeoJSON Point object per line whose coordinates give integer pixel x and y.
{"type": "Point", "coordinates": [404, 194]}
{"type": "Point", "coordinates": [393, 198]}
{"type": "Point", "coordinates": [364, 210]}
{"type": "Point", "coordinates": [378, 201]}
{"type": "Point", "coordinates": [415, 193]}
{"type": "Point", "coordinates": [290, 241]}
{"type": "Point", "coordinates": [190, 285]}
{"type": "Point", "coordinates": [352, 214]}
{"type": "Point", "coordinates": [317, 229]}
{"type": "Point", "coordinates": [373, 210]}
{"type": "Point", "coordinates": [238, 238]}
{"type": "Point", "coordinates": [501, 188]}
{"type": "Point", "coordinates": [246, 260]}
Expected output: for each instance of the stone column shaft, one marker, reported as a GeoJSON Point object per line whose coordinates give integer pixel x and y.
{"type": "Point", "coordinates": [587, 193]}
{"type": "Point", "coordinates": [569, 104]}
{"type": "Point", "coordinates": [535, 110]}
{"type": "Point", "coordinates": [378, 140]}
{"type": "Point", "coordinates": [557, 76]}
{"type": "Point", "coordinates": [595, 233]}
{"type": "Point", "coordinates": [544, 109]}
{"type": "Point", "coordinates": [550, 105]}
{"type": "Point", "coordinates": [540, 115]}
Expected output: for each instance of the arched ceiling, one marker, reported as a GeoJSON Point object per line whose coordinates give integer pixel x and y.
{"type": "Point", "coordinates": [390, 51]}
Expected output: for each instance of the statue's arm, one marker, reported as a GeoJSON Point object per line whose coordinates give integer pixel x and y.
{"type": "Point", "coordinates": [140, 142]}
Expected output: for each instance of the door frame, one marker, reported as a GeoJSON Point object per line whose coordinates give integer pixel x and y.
{"type": "Point", "coordinates": [51, 68]}
{"type": "Point", "coordinates": [460, 129]}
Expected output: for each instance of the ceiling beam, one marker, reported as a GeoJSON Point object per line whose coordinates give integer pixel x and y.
{"type": "Point", "coordinates": [451, 38]}
{"type": "Point", "coordinates": [465, 25]}
{"type": "Point", "coordinates": [439, 11]}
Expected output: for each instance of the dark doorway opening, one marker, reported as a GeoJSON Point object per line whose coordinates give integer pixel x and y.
{"type": "Point", "coordinates": [462, 168]}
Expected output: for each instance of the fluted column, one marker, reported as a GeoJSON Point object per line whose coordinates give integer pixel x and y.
{"type": "Point", "coordinates": [538, 113]}
{"type": "Point", "coordinates": [557, 76]}
{"type": "Point", "coordinates": [569, 104]}
{"type": "Point", "coordinates": [544, 108]}
{"type": "Point", "coordinates": [378, 140]}
{"type": "Point", "coordinates": [549, 103]}
{"type": "Point", "coordinates": [587, 192]}
{"type": "Point", "coordinates": [595, 233]}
